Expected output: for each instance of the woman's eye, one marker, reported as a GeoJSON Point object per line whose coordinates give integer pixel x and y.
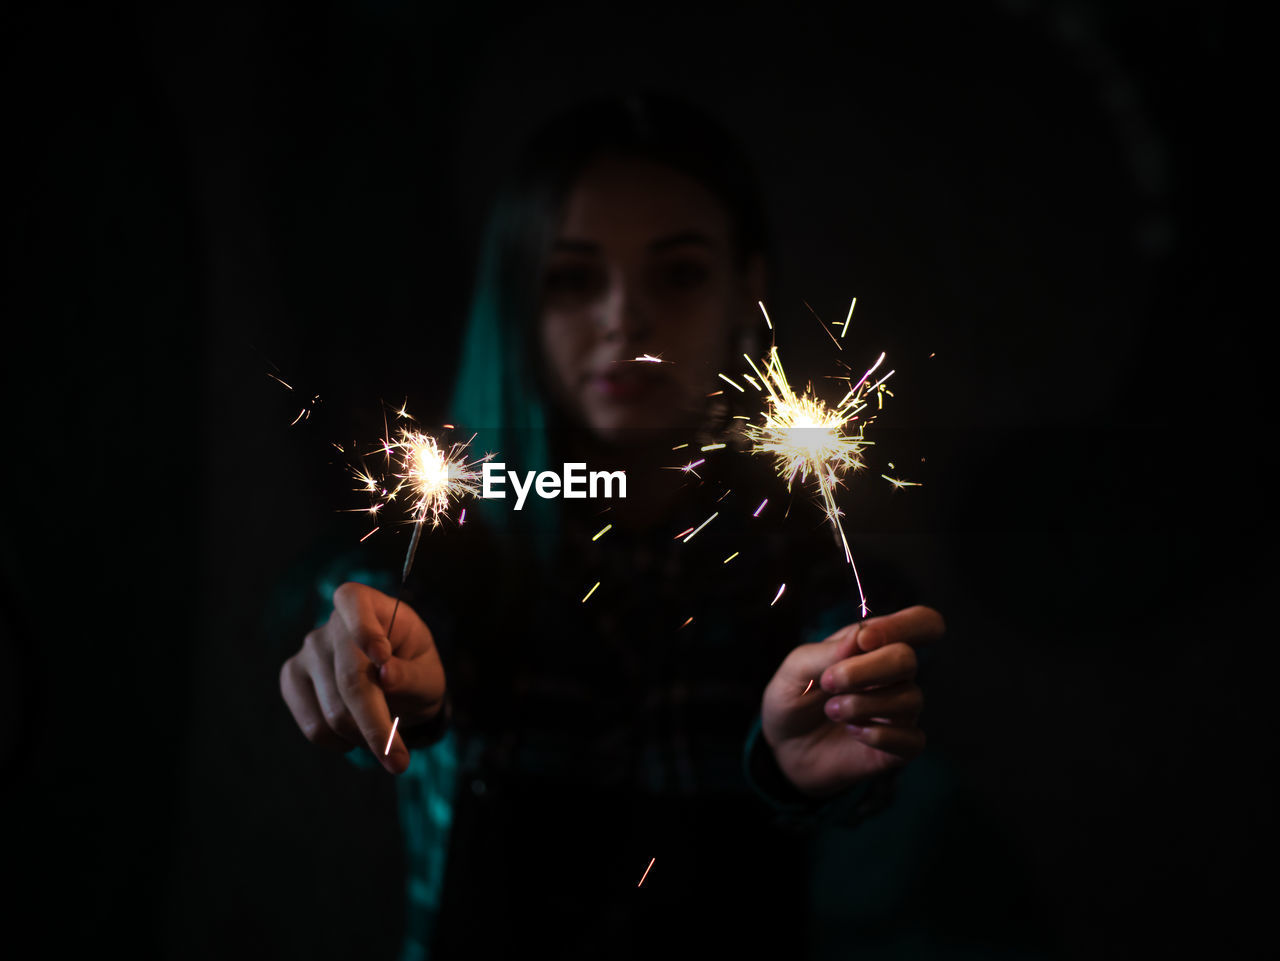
{"type": "Point", "coordinates": [572, 281]}
{"type": "Point", "coordinates": [682, 275]}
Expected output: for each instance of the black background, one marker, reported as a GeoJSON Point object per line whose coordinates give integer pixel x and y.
{"type": "Point", "coordinates": [1033, 192]}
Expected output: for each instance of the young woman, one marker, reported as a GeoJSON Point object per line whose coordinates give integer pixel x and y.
{"type": "Point", "coordinates": [552, 748]}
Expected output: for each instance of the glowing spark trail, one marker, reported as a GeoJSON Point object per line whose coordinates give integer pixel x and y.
{"type": "Point", "coordinates": [808, 439]}
{"type": "Point", "coordinates": [778, 595]}
{"type": "Point", "coordinates": [394, 725]}
{"type": "Point", "coordinates": [592, 591]}
{"type": "Point", "coordinates": [689, 467]}
{"type": "Point", "coordinates": [702, 525]}
{"type": "Point", "coordinates": [646, 871]}
{"type": "Point", "coordinates": [899, 484]}
{"type": "Point", "coordinates": [305, 412]}
{"type": "Point", "coordinates": [824, 326]}
{"type": "Point", "coordinates": [602, 532]}
{"type": "Point", "coordinates": [845, 329]}
{"type": "Point", "coordinates": [761, 507]}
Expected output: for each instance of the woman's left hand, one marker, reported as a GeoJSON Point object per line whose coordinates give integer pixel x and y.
{"type": "Point", "coordinates": [860, 714]}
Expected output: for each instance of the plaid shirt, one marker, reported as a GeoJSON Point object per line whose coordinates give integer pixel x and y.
{"type": "Point", "coordinates": [588, 734]}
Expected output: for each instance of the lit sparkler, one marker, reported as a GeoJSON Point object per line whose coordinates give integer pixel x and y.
{"type": "Point", "coordinates": [429, 476]}
{"type": "Point", "coordinates": [809, 439]}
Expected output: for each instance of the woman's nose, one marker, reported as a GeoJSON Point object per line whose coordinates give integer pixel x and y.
{"type": "Point", "coordinates": [623, 314]}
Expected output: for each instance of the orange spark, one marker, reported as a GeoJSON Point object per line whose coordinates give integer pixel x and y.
{"type": "Point", "coordinates": [646, 871]}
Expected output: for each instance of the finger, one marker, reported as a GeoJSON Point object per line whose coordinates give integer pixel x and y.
{"type": "Point", "coordinates": [333, 707]}
{"type": "Point", "coordinates": [901, 742]}
{"type": "Point", "coordinates": [300, 697]}
{"type": "Point", "coordinates": [354, 676]}
{"type": "Point", "coordinates": [883, 667]}
{"type": "Point", "coordinates": [912, 625]}
{"type": "Point", "coordinates": [901, 704]}
{"type": "Point", "coordinates": [365, 612]}
{"type": "Point", "coordinates": [807, 661]}
{"type": "Point", "coordinates": [394, 743]}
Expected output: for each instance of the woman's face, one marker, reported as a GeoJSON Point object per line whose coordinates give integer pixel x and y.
{"type": "Point", "coordinates": [641, 264]}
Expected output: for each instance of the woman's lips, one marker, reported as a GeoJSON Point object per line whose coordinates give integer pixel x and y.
{"type": "Point", "coordinates": [624, 385]}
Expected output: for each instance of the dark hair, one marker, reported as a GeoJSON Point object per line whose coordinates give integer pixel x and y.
{"type": "Point", "coordinates": [499, 389]}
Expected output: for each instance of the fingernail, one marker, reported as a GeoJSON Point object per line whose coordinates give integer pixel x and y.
{"type": "Point", "coordinates": [854, 729]}
{"type": "Point", "coordinates": [833, 710]}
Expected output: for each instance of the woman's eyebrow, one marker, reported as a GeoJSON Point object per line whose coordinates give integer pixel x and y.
{"type": "Point", "coordinates": [570, 246]}
{"type": "Point", "coordinates": [678, 239]}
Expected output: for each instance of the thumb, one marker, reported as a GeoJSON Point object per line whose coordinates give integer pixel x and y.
{"type": "Point", "coordinates": [417, 683]}
{"type": "Point", "coordinates": [361, 609]}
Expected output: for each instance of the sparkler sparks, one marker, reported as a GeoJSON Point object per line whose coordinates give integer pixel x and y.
{"type": "Point", "coordinates": [305, 412]}
{"type": "Point", "coordinates": [701, 526]}
{"type": "Point", "coordinates": [689, 467]}
{"type": "Point", "coordinates": [391, 737]}
{"type": "Point", "coordinates": [592, 591]}
{"type": "Point", "coordinates": [899, 484]}
{"type": "Point", "coordinates": [844, 330]}
{"type": "Point", "coordinates": [428, 476]}
{"type": "Point", "coordinates": [646, 871]}
{"type": "Point", "coordinates": [809, 439]}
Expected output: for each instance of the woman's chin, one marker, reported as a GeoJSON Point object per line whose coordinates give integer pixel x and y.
{"type": "Point", "coordinates": [639, 430]}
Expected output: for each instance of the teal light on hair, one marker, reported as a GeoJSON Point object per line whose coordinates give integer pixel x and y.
{"type": "Point", "coordinates": [496, 396]}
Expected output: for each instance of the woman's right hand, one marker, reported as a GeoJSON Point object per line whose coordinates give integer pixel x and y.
{"type": "Point", "coordinates": [348, 681]}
